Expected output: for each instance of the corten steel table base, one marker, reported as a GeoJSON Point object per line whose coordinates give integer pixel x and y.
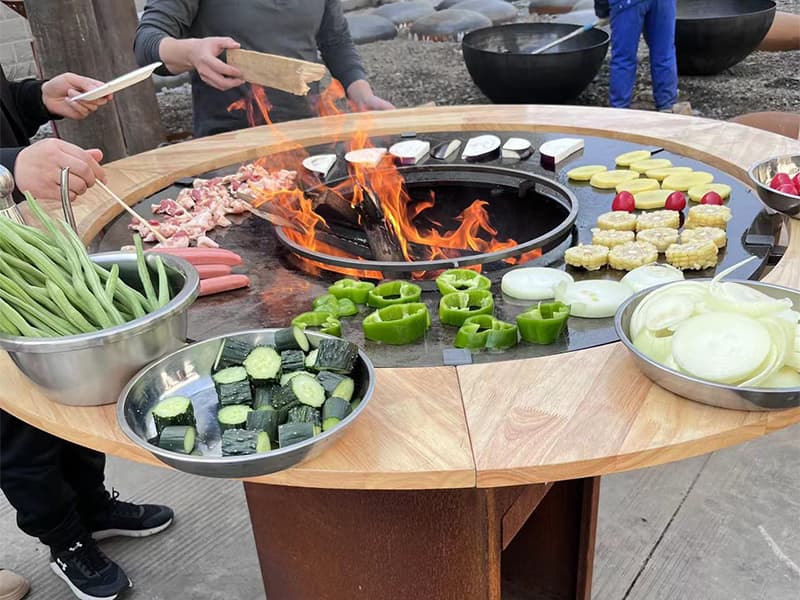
{"type": "Point", "coordinates": [445, 544]}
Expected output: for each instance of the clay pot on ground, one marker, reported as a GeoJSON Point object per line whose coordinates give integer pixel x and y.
{"type": "Point", "coordinates": [784, 35]}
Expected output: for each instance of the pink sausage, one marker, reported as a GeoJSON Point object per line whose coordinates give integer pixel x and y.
{"type": "Point", "coordinates": [203, 256]}
{"type": "Point", "coordinates": [226, 283]}
{"type": "Point", "coordinates": [209, 271]}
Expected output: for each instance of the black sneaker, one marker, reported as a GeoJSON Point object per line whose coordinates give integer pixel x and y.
{"type": "Point", "coordinates": [131, 520]}
{"type": "Point", "coordinates": [89, 573]}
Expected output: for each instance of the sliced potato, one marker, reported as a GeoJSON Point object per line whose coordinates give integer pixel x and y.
{"type": "Point", "coordinates": [634, 186]}
{"type": "Point", "coordinates": [648, 200]}
{"type": "Point", "coordinates": [643, 166]}
{"type": "Point", "coordinates": [697, 192]}
{"type": "Point", "coordinates": [585, 172]}
{"type": "Point", "coordinates": [661, 174]}
{"type": "Point", "coordinates": [627, 159]}
{"type": "Point", "coordinates": [682, 182]}
{"type": "Point", "coordinates": [608, 180]}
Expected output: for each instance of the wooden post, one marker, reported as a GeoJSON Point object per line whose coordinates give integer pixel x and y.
{"type": "Point", "coordinates": [95, 38]}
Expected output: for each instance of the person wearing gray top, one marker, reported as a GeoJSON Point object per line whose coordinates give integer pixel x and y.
{"type": "Point", "coordinates": [190, 35]}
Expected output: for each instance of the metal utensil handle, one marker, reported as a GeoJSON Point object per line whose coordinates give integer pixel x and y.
{"type": "Point", "coordinates": [569, 36]}
{"type": "Point", "coordinates": [65, 203]}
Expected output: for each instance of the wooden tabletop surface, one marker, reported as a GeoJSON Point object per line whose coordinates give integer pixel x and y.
{"type": "Point", "coordinates": [581, 414]}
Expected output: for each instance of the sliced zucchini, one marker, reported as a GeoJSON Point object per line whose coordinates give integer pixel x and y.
{"type": "Point", "coordinates": [337, 385]}
{"type": "Point", "coordinates": [265, 419]}
{"type": "Point", "coordinates": [354, 404]}
{"type": "Point", "coordinates": [283, 401]}
{"type": "Point", "coordinates": [263, 395]}
{"type": "Point", "coordinates": [238, 442]}
{"type": "Point", "coordinates": [173, 411]}
{"type": "Point", "coordinates": [311, 358]}
{"type": "Point", "coordinates": [263, 364]}
{"type": "Point", "coordinates": [231, 352]}
{"type": "Point", "coordinates": [233, 417]}
{"type": "Point", "coordinates": [294, 433]}
{"type": "Point", "coordinates": [306, 414]}
{"type": "Point", "coordinates": [178, 438]}
{"type": "Point", "coordinates": [238, 392]}
{"type": "Point", "coordinates": [230, 375]}
{"type": "Point", "coordinates": [336, 355]}
{"type": "Point", "coordinates": [287, 377]}
{"type": "Point", "coordinates": [291, 338]}
{"type": "Point", "coordinates": [334, 410]}
{"type": "Point", "coordinates": [292, 360]}
{"type": "Point", "coordinates": [307, 390]}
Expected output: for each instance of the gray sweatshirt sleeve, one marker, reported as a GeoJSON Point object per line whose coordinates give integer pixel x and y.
{"type": "Point", "coordinates": [336, 46]}
{"type": "Point", "coordinates": [162, 18]}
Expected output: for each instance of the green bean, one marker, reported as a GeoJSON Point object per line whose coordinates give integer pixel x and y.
{"type": "Point", "coordinates": [6, 326]}
{"type": "Point", "coordinates": [34, 313]}
{"type": "Point", "coordinates": [112, 281]}
{"type": "Point", "coordinates": [38, 240]}
{"type": "Point", "coordinates": [72, 314]}
{"type": "Point", "coordinates": [163, 283]}
{"type": "Point", "coordinates": [144, 274]}
{"type": "Point", "coordinates": [19, 321]}
{"type": "Point", "coordinates": [37, 293]}
{"type": "Point", "coordinates": [23, 268]}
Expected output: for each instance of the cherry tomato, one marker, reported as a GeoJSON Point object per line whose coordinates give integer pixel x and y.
{"type": "Point", "coordinates": [796, 180]}
{"type": "Point", "coordinates": [675, 201]}
{"type": "Point", "coordinates": [779, 180]}
{"type": "Point", "coordinates": [789, 189]}
{"type": "Point", "coordinates": [624, 201]}
{"type": "Point", "coordinates": [711, 197]}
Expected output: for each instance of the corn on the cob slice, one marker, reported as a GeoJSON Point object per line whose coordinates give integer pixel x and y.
{"type": "Point", "coordinates": [697, 192]}
{"type": "Point", "coordinates": [585, 172]}
{"type": "Point", "coordinates": [651, 199]}
{"type": "Point", "coordinates": [636, 186]}
{"type": "Point", "coordinates": [658, 218]}
{"type": "Point", "coordinates": [708, 215]}
{"type": "Point", "coordinates": [617, 219]}
{"type": "Point", "coordinates": [661, 237]}
{"type": "Point", "coordinates": [702, 234]}
{"type": "Point", "coordinates": [608, 180]}
{"type": "Point", "coordinates": [587, 256]}
{"type": "Point", "coordinates": [693, 256]}
{"type": "Point", "coordinates": [611, 237]}
{"type": "Point", "coordinates": [662, 174]}
{"type": "Point", "coordinates": [630, 255]}
{"type": "Point", "coordinates": [683, 181]}
{"type": "Point", "coordinates": [627, 159]}
{"type": "Point", "coordinates": [643, 166]}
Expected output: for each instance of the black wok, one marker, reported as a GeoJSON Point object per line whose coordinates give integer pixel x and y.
{"type": "Point", "coordinates": [712, 35]}
{"type": "Point", "coordinates": [500, 62]}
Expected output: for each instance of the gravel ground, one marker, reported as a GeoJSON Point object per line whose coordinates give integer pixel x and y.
{"type": "Point", "coordinates": [409, 73]}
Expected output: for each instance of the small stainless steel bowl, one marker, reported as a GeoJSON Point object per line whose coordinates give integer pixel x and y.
{"type": "Point", "coordinates": [706, 392]}
{"type": "Point", "coordinates": [187, 372]}
{"type": "Point", "coordinates": [762, 172]}
{"type": "Point", "coordinates": [90, 369]}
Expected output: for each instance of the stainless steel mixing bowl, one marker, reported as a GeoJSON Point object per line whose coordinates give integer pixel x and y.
{"type": "Point", "coordinates": [714, 394]}
{"type": "Point", "coordinates": [762, 172]}
{"type": "Point", "coordinates": [187, 372]}
{"type": "Point", "coordinates": [91, 369]}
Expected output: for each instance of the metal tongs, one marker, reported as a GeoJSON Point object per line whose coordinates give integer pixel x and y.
{"type": "Point", "coordinates": [66, 206]}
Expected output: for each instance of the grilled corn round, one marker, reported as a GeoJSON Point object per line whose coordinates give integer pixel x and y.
{"type": "Point", "coordinates": [661, 237]}
{"type": "Point", "coordinates": [658, 218]}
{"type": "Point", "coordinates": [708, 215]}
{"type": "Point", "coordinates": [693, 256]}
{"type": "Point", "coordinates": [617, 219]}
{"type": "Point", "coordinates": [702, 234]}
{"type": "Point", "coordinates": [630, 255]}
{"type": "Point", "coordinates": [611, 237]}
{"type": "Point", "coordinates": [588, 256]}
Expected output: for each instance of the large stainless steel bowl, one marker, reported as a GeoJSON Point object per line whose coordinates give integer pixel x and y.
{"type": "Point", "coordinates": [90, 369]}
{"type": "Point", "coordinates": [187, 372]}
{"type": "Point", "coordinates": [762, 172]}
{"type": "Point", "coordinates": [706, 392]}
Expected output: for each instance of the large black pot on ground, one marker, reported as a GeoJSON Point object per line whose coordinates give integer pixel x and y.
{"type": "Point", "coordinates": [712, 35]}
{"type": "Point", "coordinates": [500, 62]}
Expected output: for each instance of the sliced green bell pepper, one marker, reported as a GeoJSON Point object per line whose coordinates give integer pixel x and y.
{"type": "Point", "coordinates": [457, 307]}
{"type": "Point", "coordinates": [484, 331]}
{"type": "Point", "coordinates": [461, 280]}
{"type": "Point", "coordinates": [543, 323]}
{"type": "Point", "coordinates": [393, 292]}
{"type": "Point", "coordinates": [398, 323]}
{"type": "Point", "coordinates": [324, 321]}
{"type": "Point", "coordinates": [338, 307]}
{"type": "Point", "coordinates": [352, 289]}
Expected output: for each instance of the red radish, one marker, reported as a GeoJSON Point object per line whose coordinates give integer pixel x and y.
{"type": "Point", "coordinates": [779, 180]}
{"type": "Point", "coordinates": [711, 197]}
{"type": "Point", "coordinates": [624, 201]}
{"type": "Point", "coordinates": [789, 189]}
{"type": "Point", "coordinates": [203, 256]}
{"type": "Point", "coordinates": [675, 201]}
{"type": "Point", "coordinates": [209, 271]}
{"type": "Point", "coordinates": [226, 283]}
{"type": "Point", "coordinates": [796, 180]}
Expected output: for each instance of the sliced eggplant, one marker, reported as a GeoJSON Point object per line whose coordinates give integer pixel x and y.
{"type": "Point", "coordinates": [410, 152]}
{"type": "Point", "coordinates": [555, 151]}
{"type": "Point", "coordinates": [517, 148]}
{"type": "Point", "coordinates": [482, 148]}
{"type": "Point", "coordinates": [320, 163]}
{"type": "Point", "coordinates": [446, 149]}
{"type": "Point", "coordinates": [367, 157]}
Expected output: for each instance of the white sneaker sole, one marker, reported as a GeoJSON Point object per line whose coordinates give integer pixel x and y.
{"type": "Point", "coordinates": [136, 533]}
{"type": "Point", "coordinates": [77, 592]}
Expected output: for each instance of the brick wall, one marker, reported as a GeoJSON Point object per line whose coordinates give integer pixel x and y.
{"type": "Point", "coordinates": [16, 55]}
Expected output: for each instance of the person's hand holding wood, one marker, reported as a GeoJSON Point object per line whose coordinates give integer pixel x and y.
{"type": "Point", "coordinates": [57, 94]}
{"type": "Point", "coordinates": [202, 55]}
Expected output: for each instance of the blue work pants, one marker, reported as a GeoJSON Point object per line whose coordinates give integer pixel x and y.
{"type": "Point", "coordinates": [656, 18]}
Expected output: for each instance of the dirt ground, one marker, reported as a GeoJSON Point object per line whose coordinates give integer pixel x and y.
{"type": "Point", "coordinates": [408, 72]}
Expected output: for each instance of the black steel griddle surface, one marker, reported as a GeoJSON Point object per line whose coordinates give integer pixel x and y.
{"type": "Point", "coordinates": [279, 290]}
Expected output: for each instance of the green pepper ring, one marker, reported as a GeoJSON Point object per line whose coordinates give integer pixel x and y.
{"type": "Point", "coordinates": [461, 280]}
{"type": "Point", "coordinates": [355, 290]}
{"type": "Point", "coordinates": [486, 331]}
{"type": "Point", "coordinates": [405, 292]}
{"type": "Point", "coordinates": [543, 323]}
{"type": "Point", "coordinates": [398, 323]}
{"type": "Point", "coordinates": [457, 307]}
{"type": "Point", "coordinates": [325, 321]}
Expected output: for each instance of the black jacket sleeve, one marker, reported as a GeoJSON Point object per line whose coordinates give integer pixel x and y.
{"type": "Point", "coordinates": [601, 8]}
{"type": "Point", "coordinates": [336, 46]}
{"type": "Point", "coordinates": [27, 98]}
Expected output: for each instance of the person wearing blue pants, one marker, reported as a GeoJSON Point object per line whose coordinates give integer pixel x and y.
{"type": "Point", "coordinates": [629, 18]}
